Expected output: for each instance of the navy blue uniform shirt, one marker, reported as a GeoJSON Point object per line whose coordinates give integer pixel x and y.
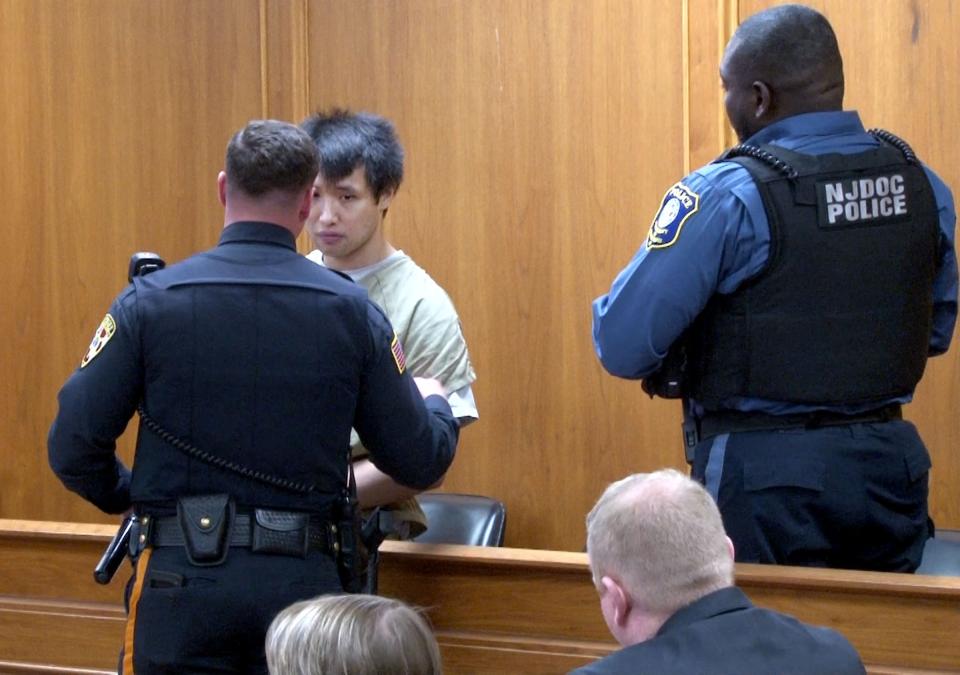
{"type": "Point", "coordinates": [255, 354]}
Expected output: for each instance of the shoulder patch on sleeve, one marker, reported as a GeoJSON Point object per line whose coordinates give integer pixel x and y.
{"type": "Point", "coordinates": [104, 332]}
{"type": "Point", "coordinates": [679, 203]}
{"type": "Point", "coordinates": [398, 356]}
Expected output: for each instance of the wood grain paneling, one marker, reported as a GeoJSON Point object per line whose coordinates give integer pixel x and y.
{"type": "Point", "coordinates": [540, 136]}
{"type": "Point", "coordinates": [116, 116]}
{"type": "Point", "coordinates": [895, 621]}
{"type": "Point", "coordinates": [899, 59]}
{"type": "Point", "coordinates": [493, 610]}
{"type": "Point", "coordinates": [284, 53]}
{"type": "Point", "coordinates": [708, 26]}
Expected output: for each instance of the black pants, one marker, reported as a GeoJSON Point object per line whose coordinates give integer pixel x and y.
{"type": "Point", "coordinates": [186, 619]}
{"type": "Point", "coordinates": [850, 496]}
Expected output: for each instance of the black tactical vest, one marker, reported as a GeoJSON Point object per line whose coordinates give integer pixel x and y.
{"type": "Point", "coordinates": [842, 311]}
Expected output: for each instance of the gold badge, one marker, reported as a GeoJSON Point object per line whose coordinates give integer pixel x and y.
{"type": "Point", "coordinates": [106, 330]}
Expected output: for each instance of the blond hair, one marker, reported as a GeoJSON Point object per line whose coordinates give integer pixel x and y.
{"type": "Point", "coordinates": [351, 635]}
{"type": "Point", "coordinates": [661, 537]}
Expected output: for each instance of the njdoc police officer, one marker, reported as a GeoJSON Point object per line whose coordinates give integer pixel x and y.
{"type": "Point", "coordinates": [799, 283]}
{"type": "Point", "coordinates": [249, 365]}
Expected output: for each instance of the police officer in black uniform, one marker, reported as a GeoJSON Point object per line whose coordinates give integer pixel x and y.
{"type": "Point", "coordinates": [249, 365]}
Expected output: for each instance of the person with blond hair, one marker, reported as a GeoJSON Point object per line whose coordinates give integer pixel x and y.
{"type": "Point", "coordinates": [663, 566]}
{"type": "Point", "coordinates": [355, 634]}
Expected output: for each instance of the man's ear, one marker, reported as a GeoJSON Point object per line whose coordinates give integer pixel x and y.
{"type": "Point", "coordinates": [731, 548]}
{"type": "Point", "coordinates": [762, 99]}
{"type": "Point", "coordinates": [385, 198]}
{"type": "Point", "coordinates": [619, 601]}
{"type": "Point", "coordinates": [222, 187]}
{"type": "Point", "coordinates": [305, 203]}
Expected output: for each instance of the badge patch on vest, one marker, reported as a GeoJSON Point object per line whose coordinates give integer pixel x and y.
{"type": "Point", "coordinates": [679, 203]}
{"type": "Point", "coordinates": [106, 330]}
{"type": "Point", "coordinates": [398, 356]}
{"type": "Point", "coordinates": [871, 200]}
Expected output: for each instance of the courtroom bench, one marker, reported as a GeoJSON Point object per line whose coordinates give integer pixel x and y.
{"type": "Point", "coordinates": [495, 610]}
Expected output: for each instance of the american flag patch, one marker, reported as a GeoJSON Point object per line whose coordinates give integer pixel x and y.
{"type": "Point", "coordinates": [398, 356]}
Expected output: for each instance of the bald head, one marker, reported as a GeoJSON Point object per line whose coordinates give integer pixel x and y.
{"type": "Point", "coordinates": [661, 536]}
{"type": "Point", "coordinates": [780, 62]}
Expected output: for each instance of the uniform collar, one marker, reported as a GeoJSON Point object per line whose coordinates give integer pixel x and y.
{"type": "Point", "coordinates": [730, 599]}
{"type": "Point", "coordinates": [251, 231]}
{"type": "Point", "coordinates": [809, 124]}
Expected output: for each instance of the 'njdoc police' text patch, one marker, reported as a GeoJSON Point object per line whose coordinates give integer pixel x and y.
{"type": "Point", "coordinates": [679, 203]}
{"type": "Point", "coordinates": [872, 200]}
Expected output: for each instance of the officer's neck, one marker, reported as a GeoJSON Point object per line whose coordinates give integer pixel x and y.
{"type": "Point", "coordinates": [265, 213]}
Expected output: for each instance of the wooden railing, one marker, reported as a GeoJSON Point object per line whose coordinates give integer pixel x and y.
{"type": "Point", "coordinates": [494, 610]}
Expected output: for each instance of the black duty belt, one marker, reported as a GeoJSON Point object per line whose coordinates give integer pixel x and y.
{"type": "Point", "coordinates": [248, 530]}
{"type": "Point", "coordinates": [733, 421]}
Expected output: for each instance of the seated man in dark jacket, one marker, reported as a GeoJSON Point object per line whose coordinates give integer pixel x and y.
{"type": "Point", "coordinates": [663, 566]}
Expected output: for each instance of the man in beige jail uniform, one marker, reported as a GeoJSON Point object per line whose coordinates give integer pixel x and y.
{"type": "Point", "coordinates": [361, 168]}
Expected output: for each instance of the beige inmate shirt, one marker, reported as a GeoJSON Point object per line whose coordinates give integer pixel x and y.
{"type": "Point", "coordinates": [429, 329]}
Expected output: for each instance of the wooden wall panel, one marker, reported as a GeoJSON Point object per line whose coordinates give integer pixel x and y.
{"type": "Point", "coordinates": [540, 136]}
{"type": "Point", "coordinates": [493, 610]}
{"type": "Point", "coordinates": [284, 53]}
{"type": "Point", "coordinates": [116, 116]}
{"type": "Point", "coordinates": [708, 26]}
{"type": "Point", "coordinates": [900, 60]}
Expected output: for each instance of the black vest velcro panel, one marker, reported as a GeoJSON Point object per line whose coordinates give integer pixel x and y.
{"type": "Point", "coordinates": [842, 311]}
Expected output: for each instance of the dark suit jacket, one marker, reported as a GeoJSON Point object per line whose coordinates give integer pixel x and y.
{"type": "Point", "coordinates": [724, 633]}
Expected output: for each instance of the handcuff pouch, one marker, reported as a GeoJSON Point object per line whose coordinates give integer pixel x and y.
{"type": "Point", "coordinates": [206, 521]}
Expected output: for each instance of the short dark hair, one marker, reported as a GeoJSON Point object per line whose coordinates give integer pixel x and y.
{"type": "Point", "coordinates": [790, 45]}
{"type": "Point", "coordinates": [271, 155]}
{"type": "Point", "coordinates": [347, 140]}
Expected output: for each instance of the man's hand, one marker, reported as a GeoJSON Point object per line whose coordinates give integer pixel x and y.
{"type": "Point", "coordinates": [429, 386]}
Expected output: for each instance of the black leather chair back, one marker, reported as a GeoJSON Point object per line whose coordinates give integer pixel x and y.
{"type": "Point", "coordinates": [462, 519]}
